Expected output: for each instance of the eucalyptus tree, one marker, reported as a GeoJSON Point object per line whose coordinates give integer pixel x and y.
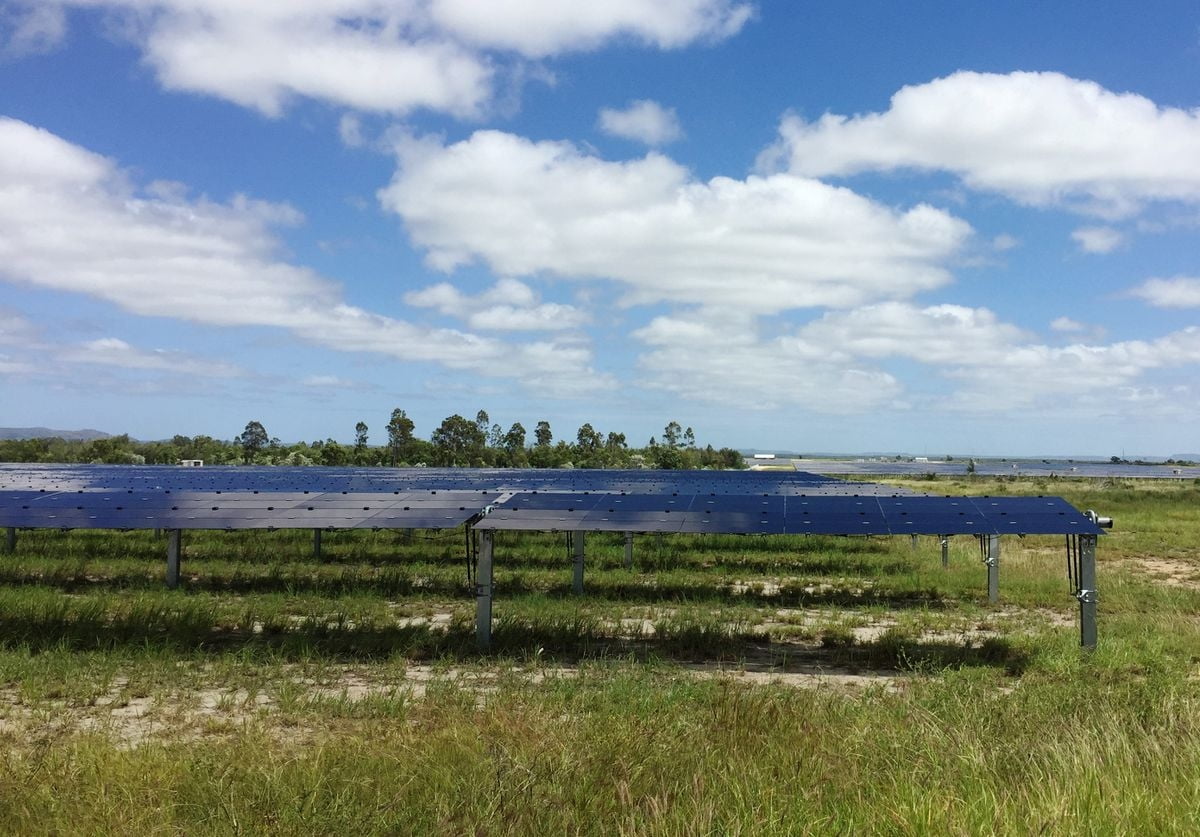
{"type": "Point", "coordinates": [253, 439]}
{"type": "Point", "coordinates": [400, 435]}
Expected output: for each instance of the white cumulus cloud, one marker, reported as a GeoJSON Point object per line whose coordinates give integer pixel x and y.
{"type": "Point", "coordinates": [509, 305]}
{"type": "Point", "coordinates": [539, 28]}
{"type": "Point", "coordinates": [1098, 239]}
{"type": "Point", "coordinates": [1039, 138]}
{"type": "Point", "coordinates": [333, 383]}
{"type": "Point", "coordinates": [643, 121]}
{"type": "Point", "coordinates": [839, 363]}
{"type": "Point", "coordinates": [761, 244]}
{"type": "Point", "coordinates": [1066, 324]}
{"type": "Point", "coordinates": [30, 27]}
{"type": "Point", "coordinates": [995, 364]}
{"type": "Point", "coordinates": [16, 330]}
{"type": "Point", "coordinates": [1176, 292]}
{"type": "Point", "coordinates": [113, 351]}
{"type": "Point", "coordinates": [711, 356]}
{"type": "Point", "coordinates": [1005, 242]}
{"type": "Point", "coordinates": [390, 56]}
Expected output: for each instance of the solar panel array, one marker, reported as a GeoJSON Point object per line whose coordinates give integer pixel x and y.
{"type": "Point", "coordinates": [775, 502]}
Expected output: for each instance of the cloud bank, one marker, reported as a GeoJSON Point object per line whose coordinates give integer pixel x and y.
{"type": "Point", "coordinates": [761, 244]}
{"type": "Point", "coordinates": [1039, 138]}
{"type": "Point", "coordinates": [71, 220]}
{"type": "Point", "coordinates": [387, 56]}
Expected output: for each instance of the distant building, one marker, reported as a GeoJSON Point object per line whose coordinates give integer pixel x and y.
{"type": "Point", "coordinates": [764, 456]}
{"type": "Point", "coordinates": [192, 463]}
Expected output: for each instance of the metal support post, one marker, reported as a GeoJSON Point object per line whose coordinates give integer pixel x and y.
{"type": "Point", "coordinates": [577, 541]}
{"type": "Point", "coordinates": [629, 550]}
{"type": "Point", "coordinates": [317, 544]}
{"type": "Point", "coordinates": [483, 593]}
{"type": "Point", "coordinates": [1087, 591]}
{"type": "Point", "coordinates": [945, 551]}
{"type": "Point", "coordinates": [408, 536]}
{"type": "Point", "coordinates": [914, 542]}
{"type": "Point", "coordinates": [992, 560]}
{"type": "Point", "coordinates": [10, 539]}
{"type": "Point", "coordinates": [174, 548]}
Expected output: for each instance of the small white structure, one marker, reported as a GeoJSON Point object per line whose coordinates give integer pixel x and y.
{"type": "Point", "coordinates": [192, 463]}
{"type": "Point", "coordinates": [764, 456]}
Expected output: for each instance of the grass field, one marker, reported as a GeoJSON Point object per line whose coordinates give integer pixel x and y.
{"type": "Point", "coordinates": [725, 685]}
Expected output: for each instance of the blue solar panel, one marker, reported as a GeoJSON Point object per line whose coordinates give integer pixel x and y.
{"type": "Point", "coordinates": [734, 522]}
{"type": "Point", "coordinates": [544, 501]}
{"type": "Point", "coordinates": [855, 523]}
{"type": "Point", "coordinates": [746, 504]}
{"type": "Point", "coordinates": [1034, 516]}
{"type": "Point", "coordinates": [843, 515]}
{"type": "Point", "coordinates": [634, 521]}
{"type": "Point", "coordinates": [934, 515]}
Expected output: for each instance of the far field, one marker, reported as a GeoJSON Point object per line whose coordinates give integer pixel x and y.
{"type": "Point", "coordinates": [725, 685]}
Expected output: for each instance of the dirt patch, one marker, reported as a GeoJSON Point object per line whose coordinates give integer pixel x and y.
{"type": "Point", "coordinates": [814, 677]}
{"type": "Point", "coordinates": [761, 588]}
{"type": "Point", "coordinates": [279, 708]}
{"type": "Point", "coordinates": [1170, 571]}
{"type": "Point", "coordinates": [438, 621]}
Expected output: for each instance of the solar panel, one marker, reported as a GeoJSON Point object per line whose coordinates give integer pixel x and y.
{"type": "Point", "coordinates": [733, 522]}
{"type": "Point", "coordinates": [1034, 516]}
{"type": "Point", "coordinates": [722, 504]}
{"type": "Point", "coordinates": [934, 515]}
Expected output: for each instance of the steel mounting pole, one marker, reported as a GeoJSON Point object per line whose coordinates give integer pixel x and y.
{"type": "Point", "coordinates": [992, 560]}
{"type": "Point", "coordinates": [483, 593]}
{"type": "Point", "coordinates": [577, 583]}
{"type": "Point", "coordinates": [174, 550]}
{"type": "Point", "coordinates": [317, 544]}
{"type": "Point", "coordinates": [10, 539]}
{"type": "Point", "coordinates": [945, 551]}
{"type": "Point", "coordinates": [1087, 591]}
{"type": "Point", "coordinates": [629, 550]}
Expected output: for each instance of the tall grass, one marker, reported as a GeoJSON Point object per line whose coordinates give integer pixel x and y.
{"type": "Point", "coordinates": [643, 751]}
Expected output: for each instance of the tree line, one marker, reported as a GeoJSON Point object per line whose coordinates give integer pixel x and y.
{"type": "Point", "coordinates": [457, 441]}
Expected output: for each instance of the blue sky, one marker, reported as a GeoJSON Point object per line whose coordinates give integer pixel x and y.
{"type": "Point", "coordinates": [937, 228]}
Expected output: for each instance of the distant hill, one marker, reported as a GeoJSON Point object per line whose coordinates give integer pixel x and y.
{"type": "Point", "coordinates": [85, 435]}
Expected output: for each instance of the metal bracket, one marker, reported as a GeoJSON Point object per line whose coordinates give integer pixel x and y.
{"type": "Point", "coordinates": [991, 561]}
{"type": "Point", "coordinates": [1087, 596]}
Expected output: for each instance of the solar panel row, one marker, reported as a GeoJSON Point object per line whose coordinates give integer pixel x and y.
{"type": "Point", "coordinates": [119, 497]}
